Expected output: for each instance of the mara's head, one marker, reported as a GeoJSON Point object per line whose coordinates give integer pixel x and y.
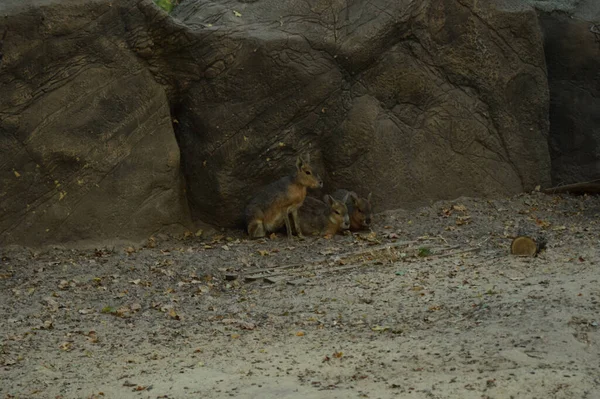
{"type": "Point", "coordinates": [361, 212]}
{"type": "Point", "coordinates": [338, 212]}
{"type": "Point", "coordinates": [305, 175]}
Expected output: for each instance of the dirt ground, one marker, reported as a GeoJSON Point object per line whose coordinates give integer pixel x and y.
{"type": "Point", "coordinates": [427, 305]}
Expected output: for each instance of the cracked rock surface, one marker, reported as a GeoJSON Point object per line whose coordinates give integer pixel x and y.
{"type": "Point", "coordinates": [109, 109]}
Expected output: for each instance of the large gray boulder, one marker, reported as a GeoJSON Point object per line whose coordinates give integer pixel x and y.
{"type": "Point", "coordinates": [571, 32]}
{"type": "Point", "coordinates": [87, 149]}
{"type": "Point", "coordinates": [573, 59]}
{"type": "Point", "coordinates": [413, 101]}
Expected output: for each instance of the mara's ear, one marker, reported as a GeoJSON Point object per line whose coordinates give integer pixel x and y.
{"type": "Point", "coordinates": [346, 198]}
{"type": "Point", "coordinates": [307, 158]}
{"type": "Point", "coordinates": [299, 163]}
{"type": "Point", "coordinates": [328, 199]}
{"type": "Point", "coordinates": [369, 197]}
{"type": "Point", "coordinates": [354, 198]}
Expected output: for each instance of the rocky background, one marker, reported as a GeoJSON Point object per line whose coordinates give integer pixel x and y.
{"type": "Point", "coordinates": [118, 120]}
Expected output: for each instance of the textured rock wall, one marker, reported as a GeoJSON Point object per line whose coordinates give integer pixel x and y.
{"type": "Point", "coordinates": [106, 104]}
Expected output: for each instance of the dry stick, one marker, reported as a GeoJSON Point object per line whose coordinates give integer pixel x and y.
{"type": "Point", "coordinates": [455, 253]}
{"type": "Point", "coordinates": [325, 259]}
{"type": "Point", "coordinates": [592, 186]}
{"type": "Point", "coordinates": [278, 271]}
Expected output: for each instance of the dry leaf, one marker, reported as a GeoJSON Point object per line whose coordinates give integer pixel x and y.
{"type": "Point", "coordinates": [136, 307]}
{"type": "Point", "coordinates": [174, 315]}
{"type": "Point", "coordinates": [66, 346]}
{"type": "Point", "coordinates": [460, 220]}
{"type": "Point", "coordinates": [92, 337]}
{"type": "Point", "coordinates": [300, 334]}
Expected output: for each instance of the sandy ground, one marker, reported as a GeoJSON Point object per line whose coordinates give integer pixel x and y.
{"type": "Point", "coordinates": [444, 312]}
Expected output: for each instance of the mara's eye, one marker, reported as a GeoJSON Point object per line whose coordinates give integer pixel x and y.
{"type": "Point", "coordinates": [307, 172]}
{"type": "Point", "coordinates": [337, 212]}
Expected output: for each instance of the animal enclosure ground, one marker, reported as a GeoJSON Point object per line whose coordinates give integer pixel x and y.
{"type": "Point", "coordinates": [428, 305]}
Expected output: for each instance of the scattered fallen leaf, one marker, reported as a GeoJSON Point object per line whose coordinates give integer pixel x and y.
{"type": "Point", "coordinates": [66, 346]}
{"type": "Point", "coordinates": [424, 251]}
{"type": "Point", "coordinates": [92, 337]}
{"type": "Point", "coordinates": [460, 220]}
{"type": "Point", "coordinates": [300, 334]}
{"type": "Point", "coordinates": [244, 325]}
{"type": "Point", "coordinates": [237, 14]}
{"type": "Point", "coordinates": [263, 252]}
{"type": "Point", "coordinates": [174, 315]}
{"type": "Point", "coordinates": [338, 355]}
{"type": "Point", "coordinates": [108, 309]}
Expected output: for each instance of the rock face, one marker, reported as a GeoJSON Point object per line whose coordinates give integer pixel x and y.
{"type": "Point", "coordinates": [573, 59]}
{"type": "Point", "coordinates": [412, 101]}
{"type": "Point", "coordinates": [87, 149]}
{"type": "Point", "coordinates": [427, 100]}
{"type": "Point", "coordinates": [571, 30]}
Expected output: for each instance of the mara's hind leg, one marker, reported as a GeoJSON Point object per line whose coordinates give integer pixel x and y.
{"type": "Point", "coordinates": [256, 229]}
{"type": "Point", "coordinates": [297, 223]}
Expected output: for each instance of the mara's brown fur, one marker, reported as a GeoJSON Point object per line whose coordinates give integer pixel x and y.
{"type": "Point", "coordinates": [270, 209]}
{"type": "Point", "coordinates": [359, 209]}
{"type": "Point", "coordinates": [325, 218]}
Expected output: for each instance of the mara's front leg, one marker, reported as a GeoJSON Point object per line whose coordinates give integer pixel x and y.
{"type": "Point", "coordinates": [288, 225]}
{"type": "Point", "coordinates": [297, 223]}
